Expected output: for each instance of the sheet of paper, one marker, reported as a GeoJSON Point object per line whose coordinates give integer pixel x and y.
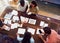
{"type": "Point", "coordinates": [46, 25]}
{"type": "Point", "coordinates": [15, 25]}
{"type": "Point", "coordinates": [7, 21]}
{"type": "Point", "coordinates": [29, 13]}
{"type": "Point", "coordinates": [7, 28]}
{"type": "Point", "coordinates": [24, 19]}
{"type": "Point", "coordinates": [32, 21]}
{"type": "Point", "coordinates": [15, 18]}
{"type": "Point", "coordinates": [8, 16]}
{"type": "Point", "coordinates": [31, 30]}
{"type": "Point", "coordinates": [42, 23]}
{"type": "Point", "coordinates": [14, 12]}
{"type": "Point", "coordinates": [37, 32]}
{"type": "Point", "coordinates": [21, 31]}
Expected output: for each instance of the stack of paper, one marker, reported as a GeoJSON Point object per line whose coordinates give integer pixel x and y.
{"type": "Point", "coordinates": [15, 18]}
{"type": "Point", "coordinates": [31, 30]}
{"type": "Point", "coordinates": [21, 31]}
{"type": "Point", "coordinates": [42, 23]}
{"type": "Point", "coordinates": [14, 12]}
{"type": "Point", "coordinates": [7, 21]}
{"type": "Point", "coordinates": [32, 21]}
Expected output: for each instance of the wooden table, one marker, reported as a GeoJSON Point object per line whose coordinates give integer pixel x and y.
{"type": "Point", "coordinates": [55, 24]}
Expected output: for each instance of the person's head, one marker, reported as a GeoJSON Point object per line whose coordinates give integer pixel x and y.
{"type": "Point", "coordinates": [27, 37]}
{"type": "Point", "coordinates": [22, 2]}
{"type": "Point", "coordinates": [47, 30]}
{"type": "Point", "coordinates": [33, 4]}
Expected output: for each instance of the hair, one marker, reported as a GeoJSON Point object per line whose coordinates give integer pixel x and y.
{"type": "Point", "coordinates": [47, 30]}
{"type": "Point", "coordinates": [22, 2]}
{"type": "Point", "coordinates": [26, 38]}
{"type": "Point", "coordinates": [1, 23]}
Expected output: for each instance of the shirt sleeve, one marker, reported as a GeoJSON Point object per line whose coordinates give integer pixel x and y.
{"type": "Point", "coordinates": [32, 40]}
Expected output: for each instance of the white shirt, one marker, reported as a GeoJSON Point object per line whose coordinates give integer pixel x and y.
{"type": "Point", "coordinates": [22, 9]}
{"type": "Point", "coordinates": [21, 38]}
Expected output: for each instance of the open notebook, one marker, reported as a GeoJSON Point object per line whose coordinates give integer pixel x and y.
{"type": "Point", "coordinates": [31, 30]}
{"type": "Point", "coordinates": [15, 25]}
{"type": "Point", "coordinates": [15, 18]}
{"type": "Point", "coordinates": [43, 24]}
{"type": "Point", "coordinates": [24, 19]}
{"type": "Point", "coordinates": [32, 21]}
{"type": "Point", "coordinates": [21, 31]}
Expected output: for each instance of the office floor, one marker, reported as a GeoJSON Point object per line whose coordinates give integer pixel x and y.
{"type": "Point", "coordinates": [50, 10]}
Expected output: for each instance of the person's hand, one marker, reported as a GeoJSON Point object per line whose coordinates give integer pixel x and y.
{"type": "Point", "coordinates": [17, 34]}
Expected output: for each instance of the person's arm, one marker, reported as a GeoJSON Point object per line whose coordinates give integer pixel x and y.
{"type": "Point", "coordinates": [37, 9]}
{"type": "Point", "coordinates": [26, 8]}
{"type": "Point", "coordinates": [42, 38]}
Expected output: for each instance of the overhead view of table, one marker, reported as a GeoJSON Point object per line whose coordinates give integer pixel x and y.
{"type": "Point", "coordinates": [54, 24]}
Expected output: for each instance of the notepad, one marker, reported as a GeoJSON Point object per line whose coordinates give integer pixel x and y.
{"type": "Point", "coordinates": [7, 21]}
{"type": "Point", "coordinates": [42, 23]}
{"type": "Point", "coordinates": [15, 18]}
{"type": "Point", "coordinates": [21, 31]}
{"type": "Point", "coordinates": [14, 12]}
{"type": "Point", "coordinates": [31, 30]}
{"type": "Point", "coordinates": [32, 21]}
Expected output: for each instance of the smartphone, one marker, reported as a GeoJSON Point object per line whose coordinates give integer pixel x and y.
{"type": "Point", "coordinates": [40, 31]}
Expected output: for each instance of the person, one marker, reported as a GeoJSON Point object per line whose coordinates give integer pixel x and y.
{"type": "Point", "coordinates": [3, 26]}
{"type": "Point", "coordinates": [33, 9]}
{"type": "Point", "coordinates": [23, 5]}
{"type": "Point", "coordinates": [26, 39]}
{"type": "Point", "coordinates": [52, 35]}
